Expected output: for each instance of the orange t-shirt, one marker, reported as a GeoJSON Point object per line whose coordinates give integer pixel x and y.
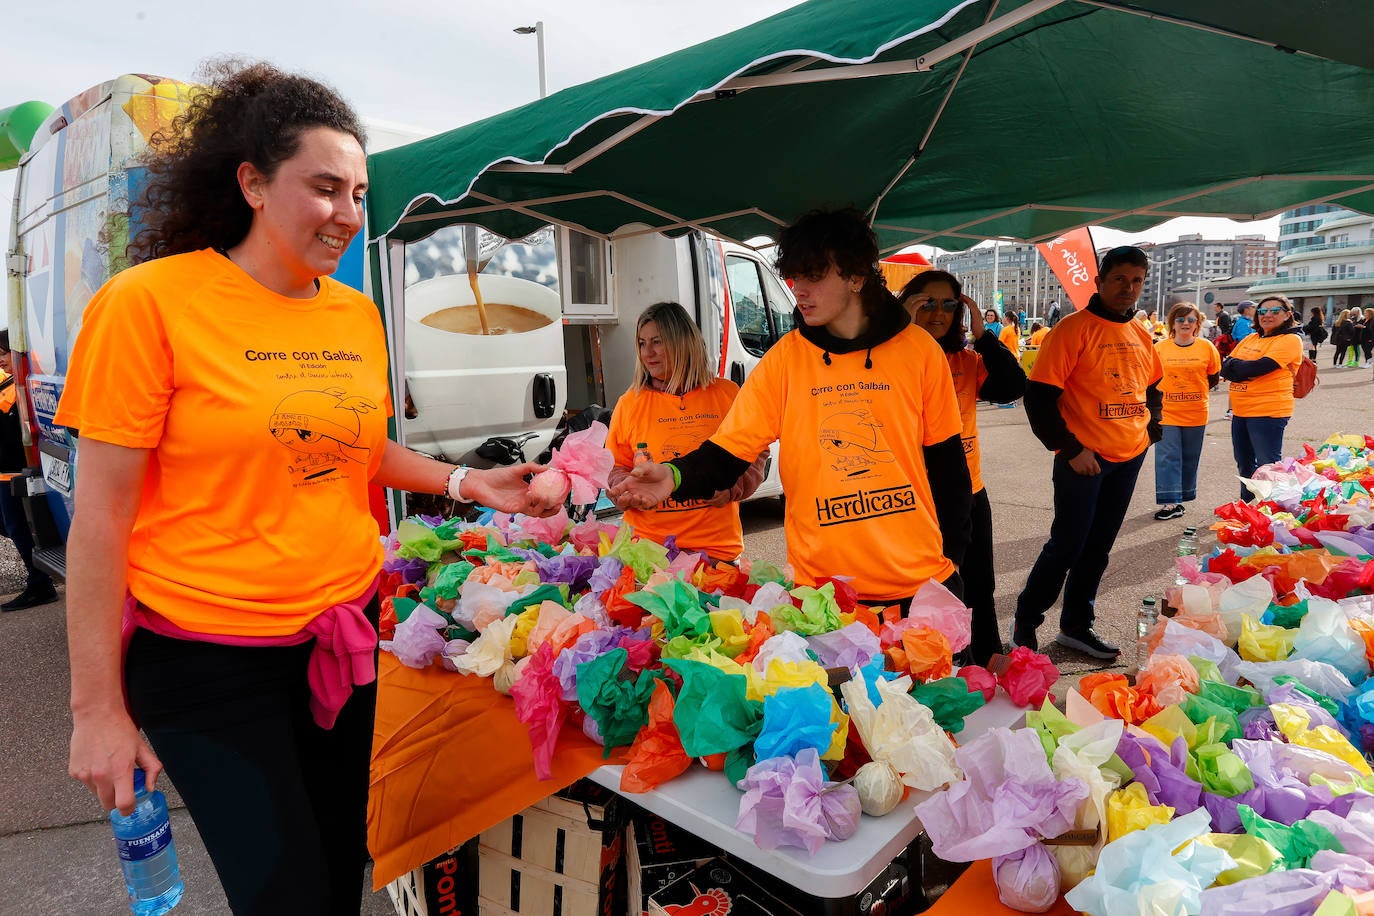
{"type": "Point", "coordinates": [969, 373]}
{"type": "Point", "coordinates": [1037, 338]}
{"type": "Point", "coordinates": [1185, 385]}
{"type": "Point", "coordinates": [1011, 339]}
{"type": "Point", "coordinates": [1103, 368]}
{"type": "Point", "coordinates": [672, 426]}
{"type": "Point", "coordinates": [858, 498]}
{"type": "Point", "coordinates": [266, 417]}
{"type": "Point", "coordinates": [1270, 395]}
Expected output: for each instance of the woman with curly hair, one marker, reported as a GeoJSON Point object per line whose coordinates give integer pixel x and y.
{"type": "Point", "coordinates": [222, 523]}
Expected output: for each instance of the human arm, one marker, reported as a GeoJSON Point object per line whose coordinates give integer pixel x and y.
{"type": "Point", "coordinates": [1047, 423]}
{"type": "Point", "coordinates": [502, 488]}
{"type": "Point", "coordinates": [1154, 403]}
{"type": "Point", "coordinates": [1234, 369]}
{"type": "Point", "coordinates": [952, 490]}
{"type": "Point", "coordinates": [976, 326]}
{"type": "Point", "coordinates": [1006, 379]}
{"type": "Point", "coordinates": [105, 744]}
{"type": "Point", "coordinates": [748, 482]}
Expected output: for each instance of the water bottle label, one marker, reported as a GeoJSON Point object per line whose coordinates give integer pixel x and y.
{"type": "Point", "coordinates": [139, 848]}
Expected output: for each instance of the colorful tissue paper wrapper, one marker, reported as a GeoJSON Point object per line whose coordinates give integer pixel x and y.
{"type": "Point", "coordinates": [1354, 831]}
{"type": "Point", "coordinates": [794, 719]}
{"type": "Point", "coordinates": [490, 651]}
{"type": "Point", "coordinates": [1252, 597]}
{"type": "Point", "coordinates": [786, 646]}
{"type": "Point", "coordinates": [979, 679]}
{"type": "Point", "coordinates": [1084, 756]}
{"type": "Point", "coordinates": [1319, 676]}
{"type": "Point", "coordinates": [619, 706]}
{"type": "Point", "coordinates": [927, 653]}
{"type": "Point", "coordinates": [781, 805]}
{"type": "Point", "coordinates": [676, 604]}
{"type": "Point", "coordinates": [1168, 678]}
{"type": "Point", "coordinates": [712, 714]}
{"type": "Point", "coordinates": [417, 641]}
{"type": "Point", "coordinates": [1253, 856]}
{"type": "Point", "coordinates": [1009, 800]}
{"type": "Point", "coordinates": [1028, 879]}
{"type": "Point", "coordinates": [936, 607]}
{"type": "Point", "coordinates": [880, 788]}
{"type": "Point", "coordinates": [1325, 635]}
{"type": "Point", "coordinates": [1028, 677]}
{"type": "Point", "coordinates": [1113, 696]}
{"type": "Point", "coordinates": [1296, 725]}
{"type": "Point", "coordinates": [851, 646]}
{"type": "Point", "coordinates": [657, 754]}
{"type": "Point", "coordinates": [1129, 809]}
{"type": "Point", "coordinates": [1293, 892]}
{"type": "Point", "coordinates": [1261, 643]}
{"type": "Point", "coordinates": [902, 733]}
{"type": "Point", "coordinates": [539, 706]}
{"type": "Point", "coordinates": [1155, 870]}
{"type": "Point", "coordinates": [817, 613]}
{"type": "Point", "coordinates": [585, 460]}
{"type": "Point", "coordinates": [1296, 844]}
{"type": "Point", "coordinates": [949, 700]}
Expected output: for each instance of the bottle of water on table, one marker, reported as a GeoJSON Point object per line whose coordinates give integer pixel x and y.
{"type": "Point", "coordinates": [1187, 547]}
{"type": "Point", "coordinates": [146, 853]}
{"type": "Point", "coordinates": [1144, 622]}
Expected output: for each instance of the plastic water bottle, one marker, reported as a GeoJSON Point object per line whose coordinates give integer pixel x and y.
{"type": "Point", "coordinates": [1187, 547]}
{"type": "Point", "coordinates": [146, 853]}
{"type": "Point", "coordinates": [1144, 623]}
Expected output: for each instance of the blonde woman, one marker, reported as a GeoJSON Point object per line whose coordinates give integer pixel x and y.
{"type": "Point", "coordinates": [1261, 370]}
{"type": "Point", "coordinates": [1191, 369]}
{"type": "Point", "coordinates": [673, 405]}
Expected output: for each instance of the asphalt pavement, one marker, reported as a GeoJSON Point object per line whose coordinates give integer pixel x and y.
{"type": "Point", "coordinates": [56, 847]}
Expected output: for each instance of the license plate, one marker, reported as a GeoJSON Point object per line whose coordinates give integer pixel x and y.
{"type": "Point", "coordinates": [58, 474]}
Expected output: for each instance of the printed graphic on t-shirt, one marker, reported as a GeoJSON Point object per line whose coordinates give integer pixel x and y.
{"type": "Point", "coordinates": [860, 476]}
{"type": "Point", "coordinates": [322, 430]}
{"type": "Point", "coordinates": [685, 433]}
{"type": "Point", "coordinates": [1122, 377]}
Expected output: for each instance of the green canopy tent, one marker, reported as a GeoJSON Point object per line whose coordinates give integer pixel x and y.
{"type": "Point", "coordinates": [949, 122]}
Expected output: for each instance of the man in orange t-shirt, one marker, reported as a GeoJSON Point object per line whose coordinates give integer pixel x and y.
{"type": "Point", "coordinates": [1094, 399]}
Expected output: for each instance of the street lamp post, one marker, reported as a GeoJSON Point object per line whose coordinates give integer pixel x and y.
{"type": "Point", "coordinates": [1159, 283]}
{"type": "Point", "coordinates": [537, 30]}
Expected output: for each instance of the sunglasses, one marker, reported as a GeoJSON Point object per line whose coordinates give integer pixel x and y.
{"type": "Point", "coordinates": [947, 305]}
{"type": "Point", "coordinates": [1186, 319]}
{"type": "Point", "coordinates": [1276, 310]}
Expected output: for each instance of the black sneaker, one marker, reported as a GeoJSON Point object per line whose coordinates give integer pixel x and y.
{"type": "Point", "coordinates": [1021, 636]}
{"type": "Point", "coordinates": [1089, 643]}
{"type": "Point", "coordinates": [31, 596]}
{"type": "Point", "coordinates": [1168, 512]}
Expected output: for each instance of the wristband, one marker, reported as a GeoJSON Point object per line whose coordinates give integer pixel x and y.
{"type": "Point", "coordinates": [677, 476]}
{"type": "Point", "coordinates": [454, 485]}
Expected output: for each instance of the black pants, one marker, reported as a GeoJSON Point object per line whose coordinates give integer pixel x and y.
{"type": "Point", "coordinates": [1088, 512]}
{"type": "Point", "coordinates": [980, 583]}
{"type": "Point", "coordinates": [280, 803]}
{"type": "Point", "coordinates": [17, 530]}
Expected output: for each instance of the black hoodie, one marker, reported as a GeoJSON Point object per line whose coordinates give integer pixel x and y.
{"type": "Point", "coordinates": [710, 468]}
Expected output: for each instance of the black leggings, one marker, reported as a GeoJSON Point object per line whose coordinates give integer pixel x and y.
{"type": "Point", "coordinates": [980, 583]}
{"type": "Point", "coordinates": [280, 803]}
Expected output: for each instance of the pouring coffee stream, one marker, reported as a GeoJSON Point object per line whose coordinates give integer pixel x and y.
{"type": "Point", "coordinates": [475, 261]}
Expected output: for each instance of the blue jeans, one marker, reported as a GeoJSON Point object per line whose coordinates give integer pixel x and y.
{"type": "Point", "coordinates": [1256, 441]}
{"type": "Point", "coordinates": [1088, 512]}
{"type": "Point", "coordinates": [1176, 460]}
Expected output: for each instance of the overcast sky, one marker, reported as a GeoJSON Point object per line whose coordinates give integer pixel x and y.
{"type": "Point", "coordinates": [429, 64]}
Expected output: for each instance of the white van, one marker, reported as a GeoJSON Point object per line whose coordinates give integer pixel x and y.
{"type": "Point", "coordinates": [463, 388]}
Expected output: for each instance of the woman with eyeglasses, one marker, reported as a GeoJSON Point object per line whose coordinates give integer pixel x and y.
{"type": "Point", "coordinates": [1191, 369]}
{"type": "Point", "coordinates": [987, 372]}
{"type": "Point", "coordinates": [1261, 370]}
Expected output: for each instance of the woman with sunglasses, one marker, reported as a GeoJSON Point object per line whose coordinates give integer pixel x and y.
{"type": "Point", "coordinates": [1191, 369]}
{"type": "Point", "coordinates": [1261, 370]}
{"type": "Point", "coordinates": [986, 372]}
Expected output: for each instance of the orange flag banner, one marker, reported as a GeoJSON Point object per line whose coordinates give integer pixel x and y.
{"type": "Point", "coordinates": [1073, 259]}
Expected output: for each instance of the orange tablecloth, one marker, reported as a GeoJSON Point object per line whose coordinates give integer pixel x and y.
{"type": "Point", "coordinates": [975, 892]}
{"type": "Point", "coordinates": [449, 760]}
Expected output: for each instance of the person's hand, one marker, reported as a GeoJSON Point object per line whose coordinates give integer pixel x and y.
{"type": "Point", "coordinates": [647, 486]}
{"type": "Point", "coordinates": [105, 748]}
{"type": "Point", "coordinates": [721, 498]}
{"type": "Point", "coordinates": [1155, 430]}
{"type": "Point", "coordinates": [1085, 463]}
{"type": "Point", "coordinates": [506, 490]}
{"type": "Point", "coordinates": [976, 326]}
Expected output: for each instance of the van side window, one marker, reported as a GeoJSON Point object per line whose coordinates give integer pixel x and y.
{"type": "Point", "coordinates": [780, 305]}
{"type": "Point", "coordinates": [750, 306]}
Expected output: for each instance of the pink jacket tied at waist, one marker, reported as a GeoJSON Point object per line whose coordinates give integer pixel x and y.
{"type": "Point", "coordinates": [344, 653]}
